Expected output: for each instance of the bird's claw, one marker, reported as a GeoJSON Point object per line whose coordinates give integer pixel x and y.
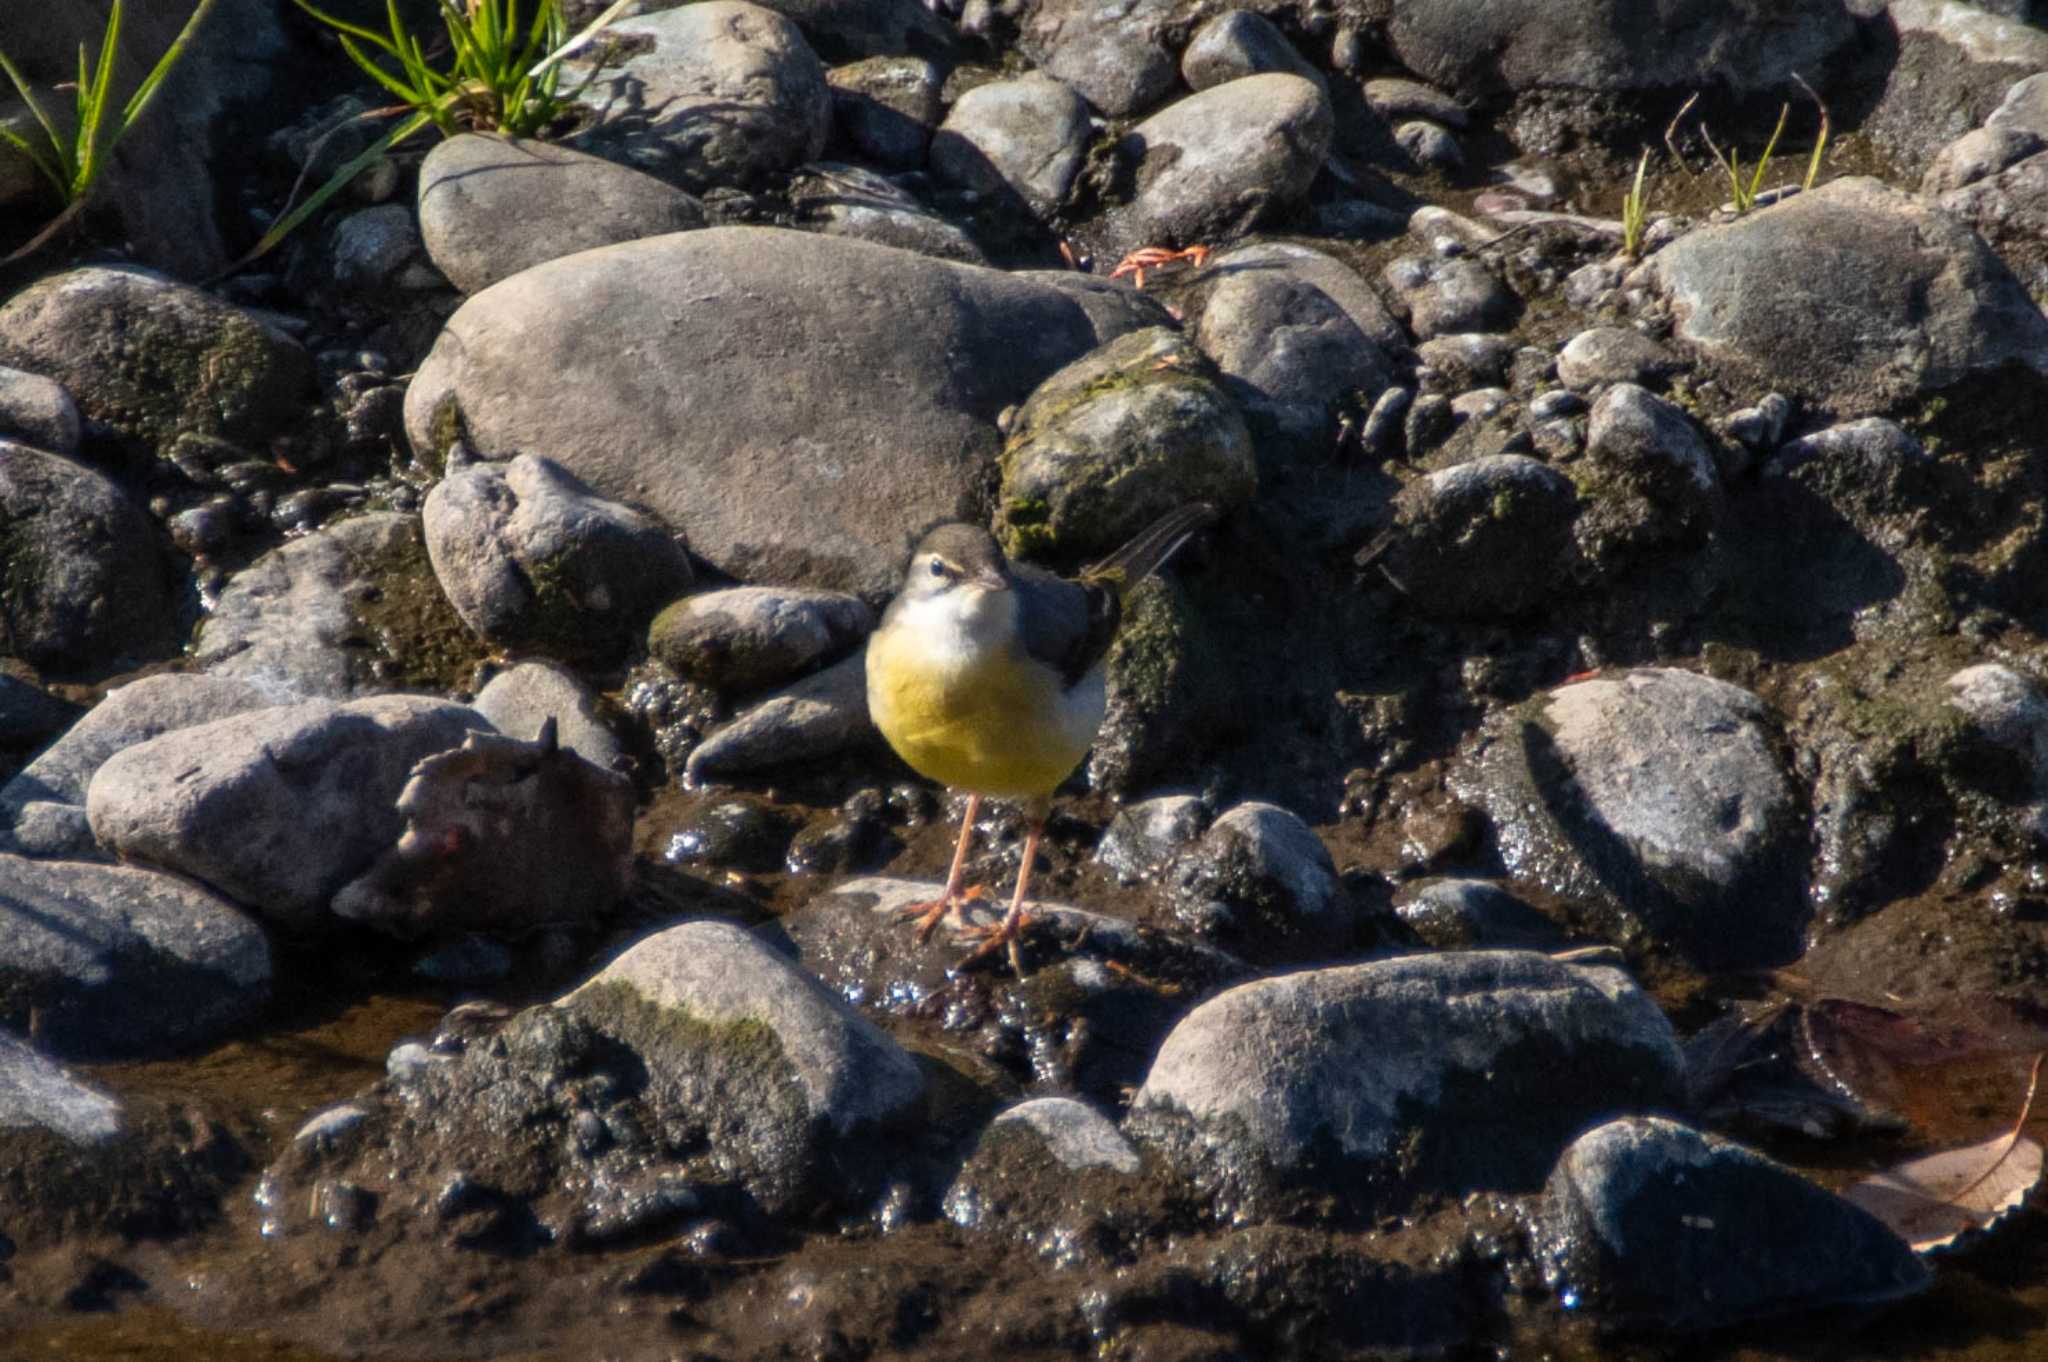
{"type": "Point", "coordinates": [1152, 257]}
{"type": "Point", "coordinates": [1005, 935]}
{"type": "Point", "coordinates": [931, 912]}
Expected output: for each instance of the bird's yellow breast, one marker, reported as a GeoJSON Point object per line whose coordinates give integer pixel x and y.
{"type": "Point", "coordinates": [992, 721]}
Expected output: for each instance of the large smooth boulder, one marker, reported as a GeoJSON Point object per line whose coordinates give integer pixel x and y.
{"type": "Point", "coordinates": [1450, 1072]}
{"type": "Point", "coordinates": [1019, 140]}
{"type": "Point", "coordinates": [816, 404]}
{"type": "Point", "coordinates": [1856, 296]}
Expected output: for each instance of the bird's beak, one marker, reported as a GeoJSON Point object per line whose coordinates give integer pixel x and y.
{"type": "Point", "coordinates": [988, 579]}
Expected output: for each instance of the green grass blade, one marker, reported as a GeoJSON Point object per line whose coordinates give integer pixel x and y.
{"type": "Point", "coordinates": [40, 158]}
{"type": "Point", "coordinates": [352, 30]}
{"type": "Point", "coordinates": [146, 92]}
{"type": "Point", "coordinates": [285, 225]}
{"type": "Point", "coordinates": [95, 90]}
{"type": "Point", "coordinates": [28, 97]}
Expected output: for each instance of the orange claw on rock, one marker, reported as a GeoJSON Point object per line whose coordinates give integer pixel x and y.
{"type": "Point", "coordinates": [1152, 257]}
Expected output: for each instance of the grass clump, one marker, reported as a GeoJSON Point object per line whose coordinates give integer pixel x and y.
{"type": "Point", "coordinates": [77, 153]}
{"type": "Point", "coordinates": [1745, 187]}
{"type": "Point", "coordinates": [1635, 211]}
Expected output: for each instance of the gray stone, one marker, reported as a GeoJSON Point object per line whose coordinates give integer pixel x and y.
{"type": "Point", "coordinates": [109, 962]}
{"type": "Point", "coordinates": [2024, 107]}
{"type": "Point", "coordinates": [885, 109]}
{"type": "Point", "coordinates": [844, 200]}
{"type": "Point", "coordinates": [533, 560]}
{"type": "Point", "coordinates": [2008, 711]}
{"type": "Point", "coordinates": [1113, 55]}
{"type": "Point", "coordinates": [722, 93]}
{"type": "Point", "coordinates": [81, 582]}
{"type": "Point", "coordinates": [2010, 209]}
{"type": "Point", "coordinates": [1486, 537]}
{"type": "Point", "coordinates": [1143, 836]}
{"type": "Point", "coordinates": [1444, 1073]}
{"type": "Point", "coordinates": [1439, 295]}
{"type": "Point", "coordinates": [903, 361]}
{"type": "Point", "coordinates": [372, 247]}
{"type": "Point", "coordinates": [154, 359]}
{"type": "Point", "coordinates": [1430, 147]}
{"type": "Point", "coordinates": [295, 621]}
{"type": "Point", "coordinates": [850, 1077]}
{"type": "Point", "coordinates": [1215, 165]}
{"type": "Point", "coordinates": [523, 697]}
{"type": "Point", "coordinates": [1240, 43]}
{"type": "Point", "coordinates": [38, 412]}
{"type": "Point", "coordinates": [136, 712]}
{"type": "Point", "coordinates": [1075, 1134]}
{"type": "Point", "coordinates": [37, 1093]}
{"type": "Point", "coordinates": [1871, 472]}
{"type": "Point", "coordinates": [278, 808]}
{"type": "Point", "coordinates": [1480, 47]}
{"type": "Point", "coordinates": [1648, 1221]}
{"type": "Point", "coordinates": [1394, 98]}
{"type": "Point", "coordinates": [1612, 354]}
{"type": "Point", "coordinates": [1298, 335]}
{"type": "Point", "coordinates": [492, 206]}
{"type": "Point", "coordinates": [1463, 362]}
{"type": "Point", "coordinates": [820, 716]}
{"type": "Point", "coordinates": [1115, 440]}
{"type": "Point", "coordinates": [1649, 478]}
{"type": "Point", "coordinates": [844, 30]}
{"type": "Point", "coordinates": [1453, 914]}
{"type": "Point", "coordinates": [29, 717]}
{"type": "Point", "coordinates": [1979, 154]}
{"type": "Point", "coordinates": [1914, 302]}
{"type": "Point", "coordinates": [1760, 428]}
{"type": "Point", "coordinates": [1947, 68]}
{"type": "Point", "coordinates": [1657, 796]}
{"type": "Point", "coordinates": [1261, 884]}
{"type": "Point", "coordinates": [1018, 141]}
{"type": "Point", "coordinates": [746, 637]}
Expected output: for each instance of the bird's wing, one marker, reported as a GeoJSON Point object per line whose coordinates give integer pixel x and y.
{"type": "Point", "coordinates": [1066, 625]}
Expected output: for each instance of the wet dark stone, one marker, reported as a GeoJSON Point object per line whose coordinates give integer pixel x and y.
{"type": "Point", "coordinates": [743, 834]}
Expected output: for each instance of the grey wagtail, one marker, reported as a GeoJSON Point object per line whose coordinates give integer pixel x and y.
{"type": "Point", "coordinates": [987, 676]}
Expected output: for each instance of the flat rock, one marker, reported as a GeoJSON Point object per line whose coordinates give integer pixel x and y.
{"type": "Point", "coordinates": [722, 93]}
{"type": "Point", "coordinates": [1099, 995]}
{"type": "Point", "coordinates": [1021, 141]}
{"type": "Point", "coordinates": [37, 1093]}
{"type": "Point", "coordinates": [81, 582]}
{"type": "Point", "coordinates": [1649, 1221]}
{"type": "Point", "coordinates": [1915, 302]}
{"type": "Point", "coordinates": [277, 808]}
{"type": "Point", "coordinates": [347, 610]}
{"type": "Point", "coordinates": [1660, 795]}
{"type": "Point", "coordinates": [904, 362]}
{"type": "Point", "coordinates": [154, 359]}
{"type": "Point", "coordinates": [743, 638]}
{"type": "Point", "coordinates": [490, 206]}
{"type": "Point", "coordinates": [534, 561]}
{"type": "Point", "coordinates": [1612, 354]}
{"type": "Point", "coordinates": [1216, 164]}
{"type": "Point", "coordinates": [1451, 1073]}
{"type": "Point", "coordinates": [136, 712]}
{"type": "Point", "coordinates": [108, 962]}
{"type": "Point", "coordinates": [820, 716]}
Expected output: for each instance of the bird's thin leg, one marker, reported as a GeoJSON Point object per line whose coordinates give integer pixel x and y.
{"type": "Point", "coordinates": [930, 914]}
{"type": "Point", "coordinates": [1011, 929]}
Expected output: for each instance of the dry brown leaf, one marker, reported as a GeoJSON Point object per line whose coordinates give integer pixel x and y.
{"type": "Point", "coordinates": [1931, 1201]}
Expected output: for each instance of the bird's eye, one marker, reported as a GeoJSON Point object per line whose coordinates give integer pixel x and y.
{"type": "Point", "coordinates": [938, 567]}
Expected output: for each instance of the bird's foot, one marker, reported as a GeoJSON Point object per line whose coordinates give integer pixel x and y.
{"type": "Point", "coordinates": [1005, 935]}
{"type": "Point", "coordinates": [929, 914]}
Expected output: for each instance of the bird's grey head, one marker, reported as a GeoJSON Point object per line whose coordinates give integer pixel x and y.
{"type": "Point", "coordinates": [955, 556]}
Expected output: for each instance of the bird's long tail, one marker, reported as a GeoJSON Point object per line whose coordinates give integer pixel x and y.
{"type": "Point", "coordinates": [1148, 552]}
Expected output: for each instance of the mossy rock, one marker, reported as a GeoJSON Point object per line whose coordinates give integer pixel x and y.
{"type": "Point", "coordinates": [1116, 439]}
